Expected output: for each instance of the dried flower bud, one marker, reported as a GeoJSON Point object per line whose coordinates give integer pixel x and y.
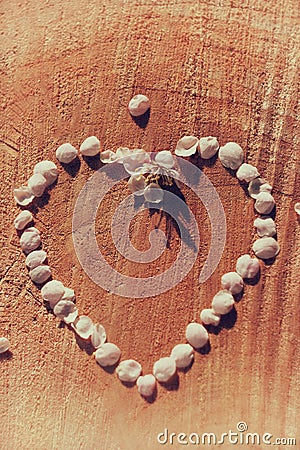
{"type": "Point", "coordinates": [52, 292]}
{"type": "Point", "coordinates": [98, 335]}
{"type": "Point", "coordinates": [146, 385]}
{"type": "Point", "coordinates": [232, 282]}
{"type": "Point", "coordinates": [90, 146]}
{"type": "Point", "coordinates": [247, 172]}
{"type": "Point", "coordinates": [222, 302]}
{"type": "Point", "coordinates": [66, 153]}
{"type": "Point", "coordinates": [48, 169]}
{"type": "Point", "coordinates": [30, 240]}
{"type": "Point", "coordinates": [264, 203]}
{"type": "Point", "coordinates": [257, 186]}
{"type": "Point", "coordinates": [196, 335]}
{"type": "Point", "coordinates": [37, 183]}
{"type": "Point", "coordinates": [40, 274]}
{"type": "Point", "coordinates": [129, 370]}
{"type": "Point", "coordinates": [266, 248]}
{"type": "Point", "coordinates": [69, 294]}
{"type": "Point", "coordinates": [23, 195]}
{"type": "Point", "coordinates": [23, 219]}
{"type": "Point", "coordinates": [265, 226]}
{"type": "Point", "coordinates": [247, 267]}
{"type": "Point", "coordinates": [66, 311]}
{"type": "Point", "coordinates": [164, 369]}
{"type": "Point", "coordinates": [231, 155]}
{"type": "Point", "coordinates": [183, 355]}
{"type": "Point", "coordinates": [4, 344]}
{"type": "Point", "coordinates": [35, 259]}
{"type": "Point", "coordinates": [83, 326]}
{"type": "Point", "coordinates": [108, 354]}
{"type": "Point", "coordinates": [209, 317]}
{"type": "Point", "coordinates": [208, 147]}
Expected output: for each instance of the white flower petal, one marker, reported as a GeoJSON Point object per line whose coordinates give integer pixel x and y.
{"type": "Point", "coordinates": [173, 173]}
{"type": "Point", "coordinates": [186, 146]}
{"type": "Point", "coordinates": [107, 156]}
{"type": "Point", "coordinates": [136, 159]}
{"type": "Point", "coordinates": [23, 219]}
{"type": "Point", "coordinates": [153, 193]}
{"type": "Point", "coordinates": [48, 169]}
{"type": "Point", "coordinates": [35, 259]}
{"type": "Point", "coordinates": [164, 159]}
{"type": "Point", "coordinates": [121, 153]}
{"type": "Point", "coordinates": [145, 168]}
{"type": "Point", "coordinates": [37, 184]}
{"type": "Point", "coordinates": [137, 184]}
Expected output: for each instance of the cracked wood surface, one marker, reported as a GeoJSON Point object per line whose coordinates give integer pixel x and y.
{"type": "Point", "coordinates": [227, 68]}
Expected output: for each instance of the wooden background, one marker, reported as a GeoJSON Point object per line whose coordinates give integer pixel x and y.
{"type": "Point", "coordinates": [222, 67]}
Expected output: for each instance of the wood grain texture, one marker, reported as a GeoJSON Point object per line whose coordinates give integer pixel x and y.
{"type": "Point", "coordinates": [227, 68]}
